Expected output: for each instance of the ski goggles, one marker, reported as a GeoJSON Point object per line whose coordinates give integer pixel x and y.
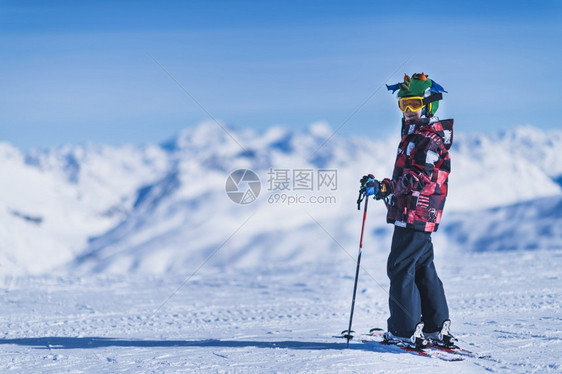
{"type": "Point", "coordinates": [415, 103]}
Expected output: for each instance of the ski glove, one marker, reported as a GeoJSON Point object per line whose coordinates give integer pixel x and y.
{"type": "Point", "coordinates": [385, 188]}
{"type": "Point", "coordinates": [369, 185]}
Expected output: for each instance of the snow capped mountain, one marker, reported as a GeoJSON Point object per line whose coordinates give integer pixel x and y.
{"type": "Point", "coordinates": [530, 225]}
{"type": "Point", "coordinates": [501, 170]}
{"type": "Point", "coordinates": [539, 147]}
{"type": "Point", "coordinates": [164, 208]}
{"type": "Point", "coordinates": [52, 201]}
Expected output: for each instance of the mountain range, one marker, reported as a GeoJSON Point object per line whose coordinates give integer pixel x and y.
{"type": "Point", "coordinates": [164, 207]}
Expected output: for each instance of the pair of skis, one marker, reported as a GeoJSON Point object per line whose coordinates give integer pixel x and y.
{"type": "Point", "coordinates": [453, 353]}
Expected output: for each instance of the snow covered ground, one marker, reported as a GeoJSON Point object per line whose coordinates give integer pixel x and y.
{"type": "Point", "coordinates": [278, 319]}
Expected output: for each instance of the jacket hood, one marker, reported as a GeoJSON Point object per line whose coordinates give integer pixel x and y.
{"type": "Point", "coordinates": [443, 128]}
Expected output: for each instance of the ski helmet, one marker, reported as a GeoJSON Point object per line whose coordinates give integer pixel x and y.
{"type": "Point", "coordinates": [420, 85]}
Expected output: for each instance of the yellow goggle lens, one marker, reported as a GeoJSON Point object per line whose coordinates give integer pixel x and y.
{"type": "Point", "coordinates": [414, 103]}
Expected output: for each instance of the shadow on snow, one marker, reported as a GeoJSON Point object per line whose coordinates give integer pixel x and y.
{"type": "Point", "coordinates": [98, 342]}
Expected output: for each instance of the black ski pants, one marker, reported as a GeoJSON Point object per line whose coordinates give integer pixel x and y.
{"type": "Point", "coordinates": [416, 292]}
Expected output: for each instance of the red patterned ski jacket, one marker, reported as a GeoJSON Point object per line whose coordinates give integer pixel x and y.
{"type": "Point", "coordinates": [420, 178]}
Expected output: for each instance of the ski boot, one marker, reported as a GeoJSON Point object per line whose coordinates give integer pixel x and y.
{"type": "Point", "coordinates": [442, 338]}
{"type": "Point", "coordinates": [416, 341]}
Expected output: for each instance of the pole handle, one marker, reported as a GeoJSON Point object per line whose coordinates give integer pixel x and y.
{"type": "Point", "coordinates": [360, 198]}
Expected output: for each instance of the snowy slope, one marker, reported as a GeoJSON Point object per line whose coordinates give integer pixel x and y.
{"type": "Point", "coordinates": [278, 318]}
{"type": "Point", "coordinates": [164, 208]}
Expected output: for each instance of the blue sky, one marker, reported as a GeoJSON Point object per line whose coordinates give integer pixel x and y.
{"type": "Point", "coordinates": [79, 71]}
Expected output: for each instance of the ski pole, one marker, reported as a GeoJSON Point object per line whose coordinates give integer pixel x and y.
{"type": "Point", "coordinates": [347, 334]}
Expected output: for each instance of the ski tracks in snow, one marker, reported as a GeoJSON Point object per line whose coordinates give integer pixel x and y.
{"type": "Point", "coordinates": [278, 319]}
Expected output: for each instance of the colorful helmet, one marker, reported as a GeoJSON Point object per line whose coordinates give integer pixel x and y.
{"type": "Point", "coordinates": [420, 85]}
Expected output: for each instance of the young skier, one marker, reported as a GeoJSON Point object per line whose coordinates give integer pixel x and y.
{"type": "Point", "coordinates": [415, 198]}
